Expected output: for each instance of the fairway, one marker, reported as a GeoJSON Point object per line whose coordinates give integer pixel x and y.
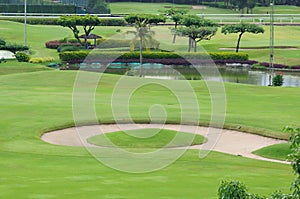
{"type": "Point", "coordinates": [34, 103]}
{"type": "Point", "coordinates": [40, 107]}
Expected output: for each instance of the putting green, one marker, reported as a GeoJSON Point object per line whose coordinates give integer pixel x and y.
{"type": "Point", "coordinates": [147, 138]}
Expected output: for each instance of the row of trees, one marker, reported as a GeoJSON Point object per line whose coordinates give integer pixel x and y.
{"type": "Point", "coordinates": [194, 27]}
{"type": "Point", "coordinates": [197, 28]}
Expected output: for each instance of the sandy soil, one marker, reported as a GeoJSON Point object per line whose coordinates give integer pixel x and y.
{"type": "Point", "coordinates": [226, 141]}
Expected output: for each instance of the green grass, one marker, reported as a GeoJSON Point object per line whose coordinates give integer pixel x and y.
{"type": "Point", "coordinates": [33, 103]}
{"type": "Point", "coordinates": [13, 66]}
{"type": "Point", "coordinates": [155, 8]}
{"type": "Point", "coordinates": [279, 9]}
{"type": "Point", "coordinates": [147, 138]}
{"type": "Point", "coordinates": [277, 151]}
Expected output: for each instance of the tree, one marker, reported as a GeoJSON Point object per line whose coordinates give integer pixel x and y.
{"type": "Point", "coordinates": [87, 22]}
{"type": "Point", "coordinates": [196, 29]}
{"type": "Point", "coordinates": [143, 34]}
{"type": "Point", "coordinates": [176, 16]}
{"type": "Point", "coordinates": [150, 18]}
{"type": "Point", "coordinates": [196, 34]}
{"type": "Point", "coordinates": [241, 28]}
{"type": "Point", "coordinates": [250, 5]}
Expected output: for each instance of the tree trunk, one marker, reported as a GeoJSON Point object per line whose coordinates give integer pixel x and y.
{"type": "Point", "coordinates": [175, 33]}
{"type": "Point", "coordinates": [141, 57]}
{"type": "Point", "coordinates": [238, 43]}
{"type": "Point", "coordinates": [190, 45]}
{"type": "Point", "coordinates": [195, 45]}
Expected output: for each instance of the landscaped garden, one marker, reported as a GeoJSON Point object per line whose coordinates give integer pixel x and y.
{"type": "Point", "coordinates": [36, 99]}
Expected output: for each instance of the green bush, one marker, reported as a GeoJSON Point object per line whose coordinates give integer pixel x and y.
{"type": "Point", "coordinates": [2, 42]}
{"type": "Point", "coordinates": [14, 47]}
{"type": "Point", "coordinates": [22, 57]}
{"type": "Point", "coordinates": [53, 21]}
{"type": "Point", "coordinates": [279, 195]}
{"type": "Point", "coordinates": [41, 59]}
{"type": "Point", "coordinates": [55, 8]}
{"type": "Point", "coordinates": [99, 55]}
{"type": "Point", "coordinates": [232, 190]}
{"type": "Point", "coordinates": [277, 80]}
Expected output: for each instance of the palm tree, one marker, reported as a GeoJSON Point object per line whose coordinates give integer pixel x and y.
{"type": "Point", "coordinates": [144, 35]}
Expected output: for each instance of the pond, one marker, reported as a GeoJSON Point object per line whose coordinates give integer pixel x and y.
{"type": "Point", "coordinates": [236, 74]}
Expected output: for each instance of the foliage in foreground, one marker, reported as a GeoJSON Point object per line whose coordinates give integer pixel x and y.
{"type": "Point", "coordinates": [236, 190]}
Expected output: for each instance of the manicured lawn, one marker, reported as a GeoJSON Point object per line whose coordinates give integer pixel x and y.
{"type": "Point", "coordinates": [147, 138]}
{"type": "Point", "coordinates": [13, 66]}
{"type": "Point", "coordinates": [277, 151]}
{"type": "Point", "coordinates": [32, 103]}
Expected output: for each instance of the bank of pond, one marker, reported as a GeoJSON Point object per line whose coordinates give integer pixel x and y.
{"type": "Point", "coordinates": [236, 73]}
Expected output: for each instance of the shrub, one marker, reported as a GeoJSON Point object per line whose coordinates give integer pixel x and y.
{"type": "Point", "coordinates": [277, 80]}
{"type": "Point", "coordinates": [14, 47]}
{"type": "Point", "coordinates": [159, 57]}
{"type": "Point", "coordinates": [53, 21]}
{"type": "Point", "coordinates": [2, 42]}
{"type": "Point", "coordinates": [55, 44]}
{"type": "Point", "coordinates": [279, 195]}
{"type": "Point", "coordinates": [41, 59]}
{"type": "Point", "coordinates": [232, 189]}
{"type": "Point", "coordinates": [22, 57]}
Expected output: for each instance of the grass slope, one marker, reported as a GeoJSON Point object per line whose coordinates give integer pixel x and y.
{"type": "Point", "coordinates": [147, 138]}
{"type": "Point", "coordinates": [277, 151]}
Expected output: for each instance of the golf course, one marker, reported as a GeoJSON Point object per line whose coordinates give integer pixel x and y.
{"type": "Point", "coordinates": [37, 100]}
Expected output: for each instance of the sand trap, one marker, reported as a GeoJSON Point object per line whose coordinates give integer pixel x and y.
{"type": "Point", "coordinates": [231, 142]}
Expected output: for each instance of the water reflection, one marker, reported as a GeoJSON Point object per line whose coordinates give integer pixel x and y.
{"type": "Point", "coordinates": [243, 75]}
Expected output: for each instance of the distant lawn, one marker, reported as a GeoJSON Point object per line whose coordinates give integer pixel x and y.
{"type": "Point", "coordinates": [277, 151]}
{"type": "Point", "coordinates": [155, 8]}
{"type": "Point", "coordinates": [279, 9]}
{"type": "Point", "coordinates": [147, 138]}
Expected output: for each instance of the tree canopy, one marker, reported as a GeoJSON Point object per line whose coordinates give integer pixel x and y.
{"type": "Point", "coordinates": [150, 18]}
{"type": "Point", "coordinates": [196, 29]}
{"type": "Point", "coordinates": [72, 22]}
{"type": "Point", "coordinates": [241, 28]}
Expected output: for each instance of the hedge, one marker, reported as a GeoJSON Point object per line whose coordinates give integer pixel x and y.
{"type": "Point", "coordinates": [53, 21]}
{"type": "Point", "coordinates": [159, 57]}
{"type": "Point", "coordinates": [15, 8]}
{"type": "Point", "coordinates": [55, 44]}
